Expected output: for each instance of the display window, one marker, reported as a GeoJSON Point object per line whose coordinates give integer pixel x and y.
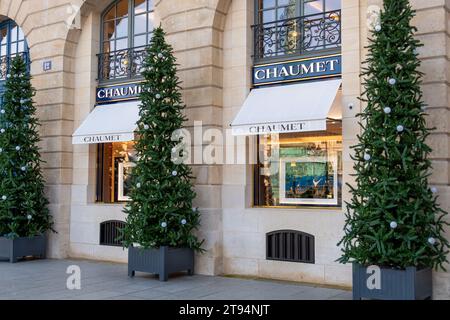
{"type": "Point", "coordinates": [300, 169]}
{"type": "Point", "coordinates": [115, 164]}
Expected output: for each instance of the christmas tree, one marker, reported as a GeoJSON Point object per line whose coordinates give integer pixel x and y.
{"type": "Point", "coordinates": [393, 219]}
{"type": "Point", "coordinates": [160, 212]}
{"type": "Point", "coordinates": [23, 205]}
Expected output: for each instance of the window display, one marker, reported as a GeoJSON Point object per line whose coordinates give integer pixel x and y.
{"type": "Point", "coordinates": [115, 163]}
{"type": "Point", "coordinates": [300, 169]}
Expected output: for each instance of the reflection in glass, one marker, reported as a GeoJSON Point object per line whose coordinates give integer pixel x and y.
{"type": "Point", "coordinates": [140, 24]}
{"type": "Point", "coordinates": [122, 28]}
{"type": "Point", "coordinates": [140, 40]}
{"type": "Point", "coordinates": [122, 9]}
{"type": "Point", "coordinates": [140, 6]}
{"type": "Point", "coordinates": [4, 35]}
{"type": "Point", "coordinates": [109, 30]}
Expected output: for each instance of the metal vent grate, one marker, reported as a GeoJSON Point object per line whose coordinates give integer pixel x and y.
{"type": "Point", "coordinates": [110, 233]}
{"type": "Point", "coordinates": [290, 245]}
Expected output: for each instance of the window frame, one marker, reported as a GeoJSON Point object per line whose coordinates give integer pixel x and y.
{"type": "Point", "coordinates": [9, 25]}
{"type": "Point", "coordinates": [150, 9]}
{"type": "Point", "coordinates": [257, 190]}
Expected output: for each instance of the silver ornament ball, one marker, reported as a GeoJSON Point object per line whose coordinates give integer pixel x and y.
{"type": "Point", "coordinates": [394, 225]}
{"type": "Point", "coordinates": [387, 110]}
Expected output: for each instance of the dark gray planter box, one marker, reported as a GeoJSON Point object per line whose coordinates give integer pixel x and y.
{"type": "Point", "coordinates": [162, 261]}
{"type": "Point", "coordinates": [14, 249]}
{"type": "Point", "coordinates": [408, 284]}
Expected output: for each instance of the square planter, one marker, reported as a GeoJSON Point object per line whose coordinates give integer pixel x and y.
{"type": "Point", "coordinates": [393, 284]}
{"type": "Point", "coordinates": [162, 261]}
{"type": "Point", "coordinates": [14, 249]}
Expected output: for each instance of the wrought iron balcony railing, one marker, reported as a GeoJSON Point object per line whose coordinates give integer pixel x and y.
{"type": "Point", "coordinates": [297, 36]}
{"type": "Point", "coordinates": [5, 63]}
{"type": "Point", "coordinates": [121, 65]}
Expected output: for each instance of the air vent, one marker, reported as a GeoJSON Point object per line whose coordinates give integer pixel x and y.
{"type": "Point", "coordinates": [289, 245]}
{"type": "Point", "coordinates": [110, 233]}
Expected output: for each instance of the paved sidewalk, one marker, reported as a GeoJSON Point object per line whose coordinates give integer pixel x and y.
{"type": "Point", "coordinates": [46, 280]}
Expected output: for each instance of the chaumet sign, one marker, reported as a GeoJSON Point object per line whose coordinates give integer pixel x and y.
{"type": "Point", "coordinates": [298, 70]}
{"type": "Point", "coordinates": [119, 92]}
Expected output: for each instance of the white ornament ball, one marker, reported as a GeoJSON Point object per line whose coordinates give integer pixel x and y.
{"type": "Point", "coordinates": [4, 198]}
{"type": "Point", "coordinates": [29, 217]}
{"type": "Point", "coordinates": [378, 28]}
{"type": "Point", "coordinates": [183, 222]}
{"type": "Point", "coordinates": [432, 241]}
{"type": "Point", "coordinates": [392, 81]}
{"type": "Point", "coordinates": [164, 224]}
{"type": "Point", "coordinates": [367, 157]}
{"type": "Point", "coordinates": [18, 148]}
{"type": "Point", "coordinates": [146, 127]}
{"type": "Point", "coordinates": [1, 150]}
{"type": "Point", "coordinates": [138, 185]}
{"type": "Point", "coordinates": [2, 130]}
{"type": "Point", "coordinates": [158, 96]}
{"type": "Point", "coordinates": [160, 55]}
{"type": "Point", "coordinates": [3, 111]}
{"type": "Point", "coordinates": [400, 128]}
{"type": "Point", "coordinates": [387, 110]}
{"type": "Point", "coordinates": [394, 225]}
{"type": "Point", "coordinates": [434, 190]}
{"type": "Point", "coordinates": [174, 173]}
{"type": "Point", "coordinates": [8, 76]}
{"type": "Point", "coordinates": [23, 168]}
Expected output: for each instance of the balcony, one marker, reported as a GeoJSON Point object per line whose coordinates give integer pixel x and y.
{"type": "Point", "coordinates": [121, 65]}
{"type": "Point", "coordinates": [300, 36]}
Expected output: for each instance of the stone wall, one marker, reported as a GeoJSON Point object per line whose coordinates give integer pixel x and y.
{"type": "Point", "coordinates": [213, 43]}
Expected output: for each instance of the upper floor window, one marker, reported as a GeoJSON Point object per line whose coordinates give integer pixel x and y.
{"type": "Point", "coordinates": [12, 43]}
{"type": "Point", "coordinates": [296, 27]}
{"type": "Point", "coordinates": [127, 28]}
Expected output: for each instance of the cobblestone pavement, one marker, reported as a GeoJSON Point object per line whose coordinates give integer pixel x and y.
{"type": "Point", "coordinates": [46, 280]}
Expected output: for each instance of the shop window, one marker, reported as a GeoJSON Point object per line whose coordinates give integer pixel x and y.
{"type": "Point", "coordinates": [296, 27]}
{"type": "Point", "coordinates": [127, 28]}
{"type": "Point", "coordinates": [115, 163]}
{"type": "Point", "coordinates": [300, 169]}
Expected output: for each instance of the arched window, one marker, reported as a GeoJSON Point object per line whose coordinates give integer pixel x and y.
{"type": "Point", "coordinates": [127, 27]}
{"type": "Point", "coordinates": [12, 43]}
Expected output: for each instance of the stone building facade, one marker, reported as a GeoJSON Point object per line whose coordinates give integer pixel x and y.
{"type": "Point", "coordinates": [213, 42]}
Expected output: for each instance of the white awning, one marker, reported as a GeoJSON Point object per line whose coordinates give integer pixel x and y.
{"type": "Point", "coordinates": [109, 123]}
{"type": "Point", "coordinates": [301, 107]}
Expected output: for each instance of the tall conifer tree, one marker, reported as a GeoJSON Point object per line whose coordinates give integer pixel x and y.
{"type": "Point", "coordinates": [393, 218]}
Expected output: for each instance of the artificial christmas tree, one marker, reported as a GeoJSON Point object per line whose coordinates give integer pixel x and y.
{"type": "Point", "coordinates": [24, 216]}
{"type": "Point", "coordinates": [160, 216]}
{"type": "Point", "coordinates": [393, 220]}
